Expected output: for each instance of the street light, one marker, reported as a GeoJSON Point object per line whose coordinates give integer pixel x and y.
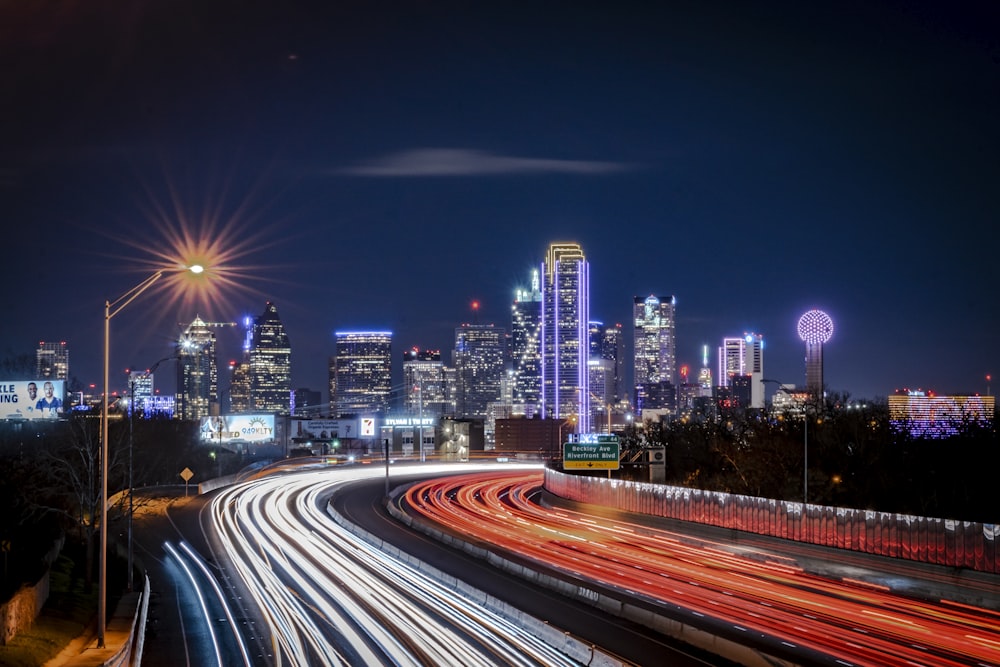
{"type": "Point", "coordinates": [112, 308]}
{"type": "Point", "coordinates": [805, 444]}
{"type": "Point", "coordinates": [568, 420]}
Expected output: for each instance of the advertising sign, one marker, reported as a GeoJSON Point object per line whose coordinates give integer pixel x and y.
{"type": "Point", "coordinates": [316, 429]}
{"type": "Point", "coordinates": [222, 429]}
{"type": "Point", "coordinates": [592, 451]}
{"type": "Point", "coordinates": [32, 399]}
{"type": "Point", "coordinates": [367, 427]}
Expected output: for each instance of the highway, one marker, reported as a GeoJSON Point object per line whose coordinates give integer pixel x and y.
{"type": "Point", "coordinates": [265, 576]}
{"type": "Point", "coordinates": [765, 597]}
{"type": "Point", "coordinates": [260, 573]}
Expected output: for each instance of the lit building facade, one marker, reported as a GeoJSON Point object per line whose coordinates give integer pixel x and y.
{"type": "Point", "coordinates": [526, 350]}
{"type": "Point", "coordinates": [744, 358]}
{"type": "Point", "coordinates": [52, 360]}
{"type": "Point", "coordinates": [927, 415]}
{"type": "Point", "coordinates": [607, 360]}
{"type": "Point", "coordinates": [239, 387]}
{"type": "Point", "coordinates": [613, 350]}
{"type": "Point", "coordinates": [361, 372]}
{"type": "Point", "coordinates": [479, 366]}
{"type": "Point", "coordinates": [655, 351]}
{"type": "Point", "coordinates": [423, 382]}
{"type": "Point", "coordinates": [140, 385]}
{"type": "Point", "coordinates": [564, 341]}
{"type": "Point", "coordinates": [270, 359]}
{"type": "Point", "coordinates": [197, 371]}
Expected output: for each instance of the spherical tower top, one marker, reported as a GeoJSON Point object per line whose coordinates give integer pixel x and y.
{"type": "Point", "coordinates": [815, 326]}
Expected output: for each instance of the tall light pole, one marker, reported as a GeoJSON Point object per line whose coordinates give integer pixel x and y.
{"type": "Point", "coordinates": [112, 308]}
{"type": "Point", "coordinates": [805, 444]}
{"type": "Point", "coordinates": [131, 412]}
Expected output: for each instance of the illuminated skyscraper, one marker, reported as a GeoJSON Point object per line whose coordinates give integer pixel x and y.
{"type": "Point", "coordinates": [361, 372]}
{"type": "Point", "coordinates": [197, 372]}
{"type": "Point", "coordinates": [564, 342]}
{"type": "Point", "coordinates": [423, 382]}
{"type": "Point", "coordinates": [479, 366]}
{"type": "Point", "coordinates": [655, 350]}
{"type": "Point", "coordinates": [239, 372]}
{"type": "Point", "coordinates": [607, 363]}
{"type": "Point", "coordinates": [52, 360]}
{"type": "Point", "coordinates": [731, 360]}
{"type": "Point", "coordinates": [140, 392]}
{"type": "Point", "coordinates": [754, 367]}
{"type": "Point", "coordinates": [239, 387]}
{"type": "Point", "coordinates": [815, 329]}
{"type": "Point", "coordinates": [270, 364]}
{"type": "Point", "coordinates": [741, 361]}
{"type": "Point", "coordinates": [526, 351]}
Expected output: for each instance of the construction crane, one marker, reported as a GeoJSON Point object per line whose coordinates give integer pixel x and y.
{"type": "Point", "coordinates": [198, 322]}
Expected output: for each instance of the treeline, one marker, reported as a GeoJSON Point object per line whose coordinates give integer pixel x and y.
{"type": "Point", "coordinates": [50, 482]}
{"type": "Point", "coordinates": [856, 458]}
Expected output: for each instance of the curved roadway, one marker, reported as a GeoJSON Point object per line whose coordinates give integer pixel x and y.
{"type": "Point", "coordinates": [291, 586]}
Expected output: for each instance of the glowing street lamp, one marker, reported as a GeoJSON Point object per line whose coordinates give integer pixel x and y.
{"type": "Point", "coordinates": [112, 308]}
{"type": "Point", "coordinates": [805, 444]}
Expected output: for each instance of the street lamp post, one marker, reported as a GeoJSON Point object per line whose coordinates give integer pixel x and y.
{"type": "Point", "coordinates": [112, 308]}
{"type": "Point", "coordinates": [805, 444]}
{"type": "Point", "coordinates": [131, 412]}
{"type": "Point", "coordinates": [568, 420]}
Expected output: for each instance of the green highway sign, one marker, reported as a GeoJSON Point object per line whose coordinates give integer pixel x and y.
{"type": "Point", "coordinates": [592, 452]}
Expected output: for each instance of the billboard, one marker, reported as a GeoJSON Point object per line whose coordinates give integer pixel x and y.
{"type": "Point", "coordinates": [32, 399]}
{"type": "Point", "coordinates": [224, 429]}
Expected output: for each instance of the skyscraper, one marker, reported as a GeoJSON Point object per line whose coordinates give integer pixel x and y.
{"type": "Point", "coordinates": [613, 349]}
{"type": "Point", "coordinates": [361, 372]}
{"type": "Point", "coordinates": [731, 360]}
{"type": "Point", "coordinates": [743, 359]}
{"type": "Point", "coordinates": [140, 392]}
{"type": "Point", "coordinates": [197, 372]}
{"type": "Point", "coordinates": [655, 351]}
{"type": "Point", "coordinates": [526, 351]}
{"type": "Point", "coordinates": [52, 360]}
{"type": "Point", "coordinates": [423, 382]}
{"type": "Point", "coordinates": [606, 363]}
{"type": "Point", "coordinates": [479, 365]}
{"type": "Point", "coordinates": [564, 341]}
{"type": "Point", "coordinates": [270, 364]}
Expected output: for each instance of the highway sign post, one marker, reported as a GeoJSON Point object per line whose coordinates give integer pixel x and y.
{"type": "Point", "coordinates": [592, 451]}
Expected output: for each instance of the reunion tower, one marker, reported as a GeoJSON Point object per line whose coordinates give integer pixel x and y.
{"type": "Point", "coordinates": [815, 328]}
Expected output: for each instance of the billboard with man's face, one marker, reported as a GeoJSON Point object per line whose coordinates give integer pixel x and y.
{"type": "Point", "coordinates": [32, 399]}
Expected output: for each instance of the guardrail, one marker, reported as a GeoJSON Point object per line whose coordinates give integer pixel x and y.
{"type": "Point", "coordinates": [961, 544]}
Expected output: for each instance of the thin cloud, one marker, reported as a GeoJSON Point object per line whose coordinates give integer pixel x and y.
{"type": "Point", "coordinates": [465, 162]}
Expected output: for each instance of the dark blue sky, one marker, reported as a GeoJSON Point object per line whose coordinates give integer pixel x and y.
{"type": "Point", "coordinates": [380, 165]}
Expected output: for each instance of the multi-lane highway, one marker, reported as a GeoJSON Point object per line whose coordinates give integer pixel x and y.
{"type": "Point", "coordinates": [759, 594]}
{"type": "Point", "coordinates": [274, 580]}
{"type": "Point", "coordinates": [261, 574]}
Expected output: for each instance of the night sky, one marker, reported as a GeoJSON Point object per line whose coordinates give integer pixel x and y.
{"type": "Point", "coordinates": [373, 165]}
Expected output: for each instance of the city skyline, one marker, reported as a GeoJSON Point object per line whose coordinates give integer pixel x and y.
{"type": "Point", "coordinates": [382, 167]}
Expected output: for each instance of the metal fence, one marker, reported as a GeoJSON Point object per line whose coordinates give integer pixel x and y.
{"type": "Point", "coordinates": [963, 544]}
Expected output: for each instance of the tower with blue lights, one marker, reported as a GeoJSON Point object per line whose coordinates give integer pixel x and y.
{"type": "Point", "coordinates": [564, 341]}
